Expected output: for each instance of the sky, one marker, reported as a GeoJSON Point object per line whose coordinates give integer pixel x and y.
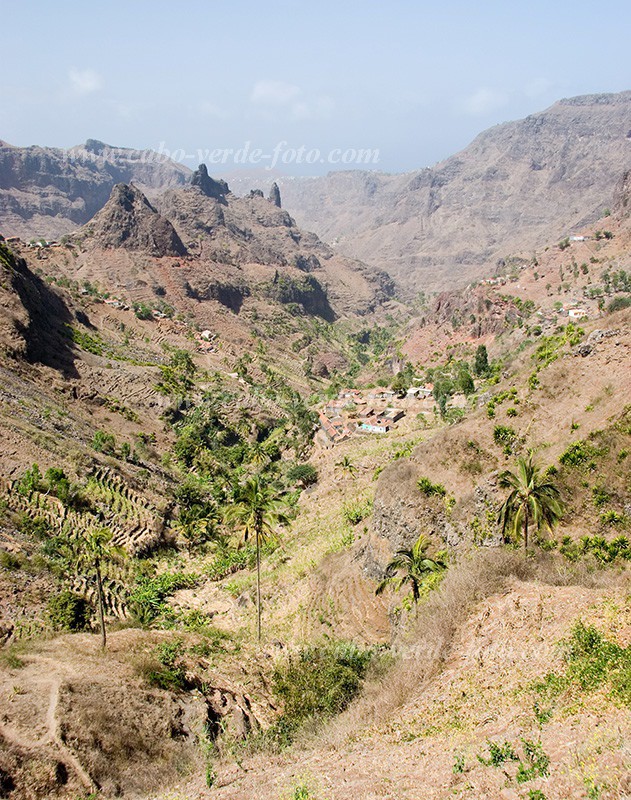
{"type": "Point", "coordinates": [300, 87]}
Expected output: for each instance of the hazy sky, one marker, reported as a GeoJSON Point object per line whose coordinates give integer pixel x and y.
{"type": "Point", "coordinates": [414, 80]}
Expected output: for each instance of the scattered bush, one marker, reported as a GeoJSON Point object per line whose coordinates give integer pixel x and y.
{"type": "Point", "coordinates": [357, 510]}
{"type": "Point", "coordinates": [167, 670]}
{"type": "Point", "coordinates": [592, 662]}
{"type": "Point", "coordinates": [430, 489]}
{"type": "Point", "coordinates": [104, 442]}
{"type": "Point", "coordinates": [68, 611]}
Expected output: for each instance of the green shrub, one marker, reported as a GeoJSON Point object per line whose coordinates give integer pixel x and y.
{"type": "Point", "coordinates": [146, 601]}
{"type": "Point", "coordinates": [619, 303]}
{"type": "Point", "coordinates": [104, 442]}
{"type": "Point", "coordinates": [601, 496]}
{"type": "Point", "coordinates": [34, 527]}
{"type": "Point", "coordinates": [87, 342]}
{"type": "Point", "coordinates": [579, 454]}
{"type": "Point", "coordinates": [229, 561]}
{"type": "Point", "coordinates": [306, 474]}
{"type": "Point", "coordinates": [537, 762]}
{"type": "Point", "coordinates": [612, 517]}
{"type": "Point", "coordinates": [430, 489]}
{"type": "Point", "coordinates": [142, 311]}
{"type": "Point", "coordinates": [319, 681]}
{"type": "Point", "coordinates": [68, 611]}
{"type": "Point", "coordinates": [498, 754]}
{"type": "Point", "coordinates": [605, 552]}
{"type": "Point", "coordinates": [30, 482]}
{"type": "Point", "coordinates": [10, 561]}
{"type": "Point", "coordinates": [506, 438]}
{"type": "Point", "coordinates": [357, 510]}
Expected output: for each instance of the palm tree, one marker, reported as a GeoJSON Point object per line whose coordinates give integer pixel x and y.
{"type": "Point", "coordinates": [257, 509]}
{"type": "Point", "coordinates": [533, 499]}
{"type": "Point", "coordinates": [347, 465]}
{"type": "Point", "coordinates": [411, 566]}
{"type": "Point", "coordinates": [197, 524]}
{"type": "Point", "coordinates": [88, 554]}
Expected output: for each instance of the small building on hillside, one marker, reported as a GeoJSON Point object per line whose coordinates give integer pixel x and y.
{"type": "Point", "coordinates": [334, 407]}
{"type": "Point", "coordinates": [334, 430]}
{"type": "Point", "coordinates": [393, 414]}
{"type": "Point", "coordinates": [419, 391]}
{"type": "Point", "coordinates": [577, 313]}
{"type": "Point", "coordinates": [374, 424]}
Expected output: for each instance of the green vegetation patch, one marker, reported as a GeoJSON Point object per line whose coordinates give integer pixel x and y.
{"type": "Point", "coordinates": [592, 663]}
{"type": "Point", "coordinates": [430, 489]}
{"type": "Point", "coordinates": [317, 682]}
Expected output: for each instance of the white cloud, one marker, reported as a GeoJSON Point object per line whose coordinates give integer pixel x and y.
{"type": "Point", "coordinates": [274, 93]}
{"type": "Point", "coordinates": [319, 108]}
{"type": "Point", "coordinates": [268, 95]}
{"type": "Point", "coordinates": [84, 81]}
{"type": "Point", "coordinates": [484, 100]}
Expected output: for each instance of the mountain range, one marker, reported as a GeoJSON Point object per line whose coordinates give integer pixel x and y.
{"type": "Point", "coordinates": [515, 188]}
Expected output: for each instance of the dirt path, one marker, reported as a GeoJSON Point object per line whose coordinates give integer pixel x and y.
{"type": "Point", "coordinates": [51, 735]}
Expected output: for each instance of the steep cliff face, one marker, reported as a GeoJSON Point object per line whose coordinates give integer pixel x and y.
{"type": "Point", "coordinates": [515, 188]}
{"type": "Point", "coordinates": [47, 192]}
{"type": "Point", "coordinates": [33, 317]}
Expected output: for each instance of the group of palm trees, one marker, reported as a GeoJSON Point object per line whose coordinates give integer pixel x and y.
{"type": "Point", "coordinates": [533, 503]}
{"type": "Point", "coordinates": [259, 507]}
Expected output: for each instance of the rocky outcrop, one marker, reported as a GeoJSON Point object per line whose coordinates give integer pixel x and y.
{"type": "Point", "coordinates": [274, 195]}
{"type": "Point", "coordinates": [307, 293]}
{"type": "Point", "coordinates": [622, 196]}
{"type": "Point", "coordinates": [209, 186]}
{"type": "Point", "coordinates": [238, 233]}
{"type": "Point", "coordinates": [477, 309]}
{"type": "Point", "coordinates": [129, 220]}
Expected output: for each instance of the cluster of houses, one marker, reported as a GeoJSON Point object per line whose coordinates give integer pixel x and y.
{"type": "Point", "coordinates": [368, 411]}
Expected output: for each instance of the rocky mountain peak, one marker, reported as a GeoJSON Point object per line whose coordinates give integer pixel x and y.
{"type": "Point", "coordinates": [217, 189]}
{"type": "Point", "coordinates": [129, 220]}
{"type": "Point", "coordinates": [274, 195]}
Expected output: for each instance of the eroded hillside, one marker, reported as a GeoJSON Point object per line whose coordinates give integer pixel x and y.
{"type": "Point", "coordinates": [160, 370]}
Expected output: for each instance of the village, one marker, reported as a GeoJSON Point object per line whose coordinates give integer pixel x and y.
{"type": "Point", "coordinates": [370, 411]}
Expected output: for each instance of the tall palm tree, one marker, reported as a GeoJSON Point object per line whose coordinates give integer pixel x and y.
{"type": "Point", "coordinates": [257, 509]}
{"type": "Point", "coordinates": [90, 554]}
{"type": "Point", "coordinates": [411, 566]}
{"type": "Point", "coordinates": [533, 500]}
